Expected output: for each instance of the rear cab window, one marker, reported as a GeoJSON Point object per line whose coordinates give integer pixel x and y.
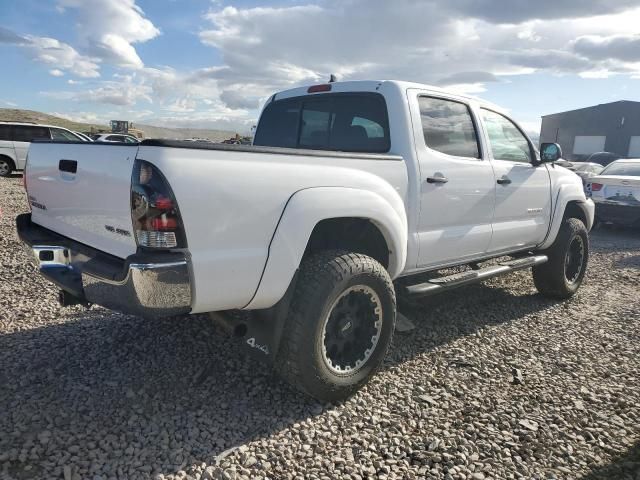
{"type": "Point", "coordinates": [346, 122]}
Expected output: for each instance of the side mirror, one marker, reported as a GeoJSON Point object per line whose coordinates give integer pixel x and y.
{"type": "Point", "coordinates": [550, 152]}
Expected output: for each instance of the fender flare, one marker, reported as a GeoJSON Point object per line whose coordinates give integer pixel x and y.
{"type": "Point", "coordinates": [566, 194]}
{"type": "Point", "coordinates": [302, 213]}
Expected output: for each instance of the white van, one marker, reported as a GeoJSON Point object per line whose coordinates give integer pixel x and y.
{"type": "Point", "coordinates": [15, 138]}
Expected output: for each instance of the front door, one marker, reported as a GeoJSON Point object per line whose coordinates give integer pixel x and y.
{"type": "Point", "coordinates": [523, 190]}
{"type": "Point", "coordinates": [457, 193]}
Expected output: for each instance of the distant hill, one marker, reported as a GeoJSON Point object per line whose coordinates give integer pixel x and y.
{"type": "Point", "coordinates": [150, 131]}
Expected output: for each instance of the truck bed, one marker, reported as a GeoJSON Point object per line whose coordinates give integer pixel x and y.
{"type": "Point", "coordinates": [231, 199]}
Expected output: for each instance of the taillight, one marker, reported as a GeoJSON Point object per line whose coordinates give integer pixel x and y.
{"type": "Point", "coordinates": [596, 187]}
{"type": "Point", "coordinates": [154, 210]}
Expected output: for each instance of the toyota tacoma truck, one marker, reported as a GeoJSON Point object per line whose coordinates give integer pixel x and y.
{"type": "Point", "coordinates": [349, 191]}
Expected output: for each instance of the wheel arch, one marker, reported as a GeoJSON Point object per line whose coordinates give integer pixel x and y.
{"type": "Point", "coordinates": [326, 218]}
{"type": "Point", "coordinates": [570, 203]}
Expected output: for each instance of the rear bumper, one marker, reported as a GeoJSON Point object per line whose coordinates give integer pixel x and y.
{"type": "Point", "coordinates": [619, 213]}
{"type": "Point", "coordinates": [148, 284]}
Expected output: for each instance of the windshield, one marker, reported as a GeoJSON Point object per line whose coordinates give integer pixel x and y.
{"type": "Point", "coordinates": [631, 169]}
{"type": "Point", "coordinates": [348, 122]}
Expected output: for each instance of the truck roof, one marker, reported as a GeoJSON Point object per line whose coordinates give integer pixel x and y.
{"type": "Point", "coordinates": [373, 85]}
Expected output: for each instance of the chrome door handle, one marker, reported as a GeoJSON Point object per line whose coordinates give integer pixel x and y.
{"type": "Point", "coordinates": [504, 181]}
{"type": "Point", "coordinates": [437, 179]}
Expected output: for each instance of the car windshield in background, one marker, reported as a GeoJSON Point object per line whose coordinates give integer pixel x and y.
{"type": "Point", "coordinates": [347, 122]}
{"type": "Point", "coordinates": [630, 169]}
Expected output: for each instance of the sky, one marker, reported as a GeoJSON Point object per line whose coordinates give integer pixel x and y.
{"type": "Point", "coordinates": [213, 63]}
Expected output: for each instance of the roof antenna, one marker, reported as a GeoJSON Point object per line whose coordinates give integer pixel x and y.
{"type": "Point", "coordinates": [332, 78]}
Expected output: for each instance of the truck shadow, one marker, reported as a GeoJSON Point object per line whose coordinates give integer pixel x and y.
{"type": "Point", "coordinates": [625, 466]}
{"type": "Point", "coordinates": [109, 390]}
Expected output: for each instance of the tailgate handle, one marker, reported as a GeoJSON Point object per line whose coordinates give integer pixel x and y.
{"type": "Point", "coordinates": [69, 166]}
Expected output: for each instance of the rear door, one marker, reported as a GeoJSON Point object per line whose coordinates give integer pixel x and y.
{"type": "Point", "coordinates": [83, 191]}
{"type": "Point", "coordinates": [457, 184]}
{"type": "Point", "coordinates": [23, 135]}
{"type": "Point", "coordinates": [523, 191]}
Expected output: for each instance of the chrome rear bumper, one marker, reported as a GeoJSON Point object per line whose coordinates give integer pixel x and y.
{"type": "Point", "coordinates": [150, 285]}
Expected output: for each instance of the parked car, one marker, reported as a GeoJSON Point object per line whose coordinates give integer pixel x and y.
{"type": "Point", "coordinates": [603, 158]}
{"type": "Point", "coordinates": [307, 229]}
{"type": "Point", "coordinates": [586, 170]}
{"type": "Point", "coordinates": [616, 193]}
{"type": "Point", "coordinates": [115, 138]}
{"type": "Point", "coordinates": [86, 138]}
{"type": "Point", "coordinates": [15, 138]}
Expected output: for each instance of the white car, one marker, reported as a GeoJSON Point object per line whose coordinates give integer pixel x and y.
{"type": "Point", "coordinates": [115, 138]}
{"type": "Point", "coordinates": [15, 138]}
{"type": "Point", "coordinates": [616, 193]}
{"type": "Point", "coordinates": [586, 170]}
{"type": "Point", "coordinates": [85, 137]}
{"type": "Point", "coordinates": [348, 187]}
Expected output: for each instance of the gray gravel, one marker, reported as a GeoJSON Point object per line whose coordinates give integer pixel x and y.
{"type": "Point", "coordinates": [494, 382]}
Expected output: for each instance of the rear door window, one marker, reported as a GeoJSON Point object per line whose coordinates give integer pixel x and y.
{"type": "Point", "coordinates": [348, 122]}
{"type": "Point", "coordinates": [27, 133]}
{"type": "Point", "coordinates": [448, 127]}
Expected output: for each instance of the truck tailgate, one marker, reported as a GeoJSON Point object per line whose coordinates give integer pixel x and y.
{"type": "Point", "coordinates": [83, 191]}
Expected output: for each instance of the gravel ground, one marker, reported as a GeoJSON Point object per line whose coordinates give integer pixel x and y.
{"type": "Point", "coordinates": [494, 382]}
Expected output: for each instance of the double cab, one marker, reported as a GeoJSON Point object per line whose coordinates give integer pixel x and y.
{"type": "Point", "coordinates": [301, 242]}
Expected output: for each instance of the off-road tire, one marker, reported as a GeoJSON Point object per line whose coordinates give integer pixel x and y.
{"type": "Point", "coordinates": [550, 278]}
{"type": "Point", "coordinates": [322, 279]}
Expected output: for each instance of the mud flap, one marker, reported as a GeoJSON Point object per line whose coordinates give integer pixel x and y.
{"type": "Point", "coordinates": [259, 331]}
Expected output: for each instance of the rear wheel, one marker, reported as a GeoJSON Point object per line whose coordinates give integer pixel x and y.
{"type": "Point", "coordinates": [339, 326]}
{"type": "Point", "coordinates": [6, 167]}
{"type": "Point", "coordinates": [568, 256]}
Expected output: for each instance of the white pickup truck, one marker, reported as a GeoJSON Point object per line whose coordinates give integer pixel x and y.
{"type": "Point", "coordinates": [348, 188]}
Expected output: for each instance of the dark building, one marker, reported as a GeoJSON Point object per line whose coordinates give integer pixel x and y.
{"type": "Point", "coordinates": [610, 127]}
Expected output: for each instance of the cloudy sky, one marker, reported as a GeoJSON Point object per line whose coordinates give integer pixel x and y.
{"type": "Point", "coordinates": [212, 63]}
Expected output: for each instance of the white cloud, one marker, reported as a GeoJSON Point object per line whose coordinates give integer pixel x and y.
{"type": "Point", "coordinates": [55, 72]}
{"type": "Point", "coordinates": [54, 53]}
{"type": "Point", "coordinates": [124, 92]}
{"type": "Point", "coordinates": [109, 28]}
{"type": "Point", "coordinates": [464, 45]}
{"type": "Point", "coordinates": [266, 49]}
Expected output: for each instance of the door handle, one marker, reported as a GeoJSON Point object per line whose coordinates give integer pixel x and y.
{"type": "Point", "coordinates": [504, 181]}
{"type": "Point", "coordinates": [69, 166]}
{"type": "Point", "coordinates": [437, 179]}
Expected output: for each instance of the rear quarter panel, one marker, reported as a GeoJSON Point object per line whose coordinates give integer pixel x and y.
{"type": "Point", "coordinates": [231, 203]}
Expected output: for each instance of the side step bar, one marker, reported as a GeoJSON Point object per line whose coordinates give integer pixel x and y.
{"type": "Point", "coordinates": [441, 284]}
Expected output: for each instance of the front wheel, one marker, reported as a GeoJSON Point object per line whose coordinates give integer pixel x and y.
{"type": "Point", "coordinates": [568, 256]}
{"type": "Point", "coordinates": [339, 326]}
